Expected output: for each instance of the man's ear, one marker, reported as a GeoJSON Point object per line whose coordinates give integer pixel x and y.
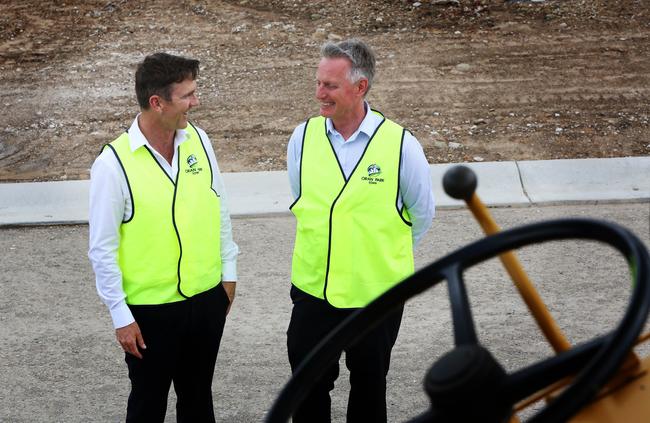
{"type": "Point", "coordinates": [363, 86]}
{"type": "Point", "coordinates": [155, 102]}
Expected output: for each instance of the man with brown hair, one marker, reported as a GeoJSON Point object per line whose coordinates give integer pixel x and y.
{"type": "Point", "coordinates": [161, 245]}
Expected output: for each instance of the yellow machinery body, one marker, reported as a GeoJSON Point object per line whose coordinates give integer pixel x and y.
{"type": "Point", "coordinates": [627, 402]}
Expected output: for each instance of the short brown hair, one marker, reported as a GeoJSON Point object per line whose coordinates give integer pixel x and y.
{"type": "Point", "coordinates": [157, 72]}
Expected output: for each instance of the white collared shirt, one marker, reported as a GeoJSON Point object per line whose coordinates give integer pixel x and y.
{"type": "Point", "coordinates": [110, 205]}
{"type": "Point", "coordinates": [415, 191]}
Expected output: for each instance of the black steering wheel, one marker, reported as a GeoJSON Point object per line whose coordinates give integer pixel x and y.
{"type": "Point", "coordinates": [467, 383]}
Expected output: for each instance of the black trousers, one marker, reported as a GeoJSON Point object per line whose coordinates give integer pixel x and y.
{"type": "Point", "coordinates": [182, 340]}
{"type": "Point", "coordinates": [367, 360]}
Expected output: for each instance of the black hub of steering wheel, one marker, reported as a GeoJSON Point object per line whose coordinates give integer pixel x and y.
{"type": "Point", "coordinates": [463, 373]}
{"type": "Point", "coordinates": [467, 383]}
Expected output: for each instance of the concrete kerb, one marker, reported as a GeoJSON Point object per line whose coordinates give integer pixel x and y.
{"type": "Point", "coordinates": [257, 193]}
{"type": "Point", "coordinates": [500, 184]}
{"type": "Point", "coordinates": [586, 180]}
{"type": "Point", "coordinates": [54, 202]}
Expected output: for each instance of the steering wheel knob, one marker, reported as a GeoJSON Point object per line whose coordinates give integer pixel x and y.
{"type": "Point", "coordinates": [460, 182]}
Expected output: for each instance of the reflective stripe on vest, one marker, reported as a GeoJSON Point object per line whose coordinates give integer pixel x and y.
{"type": "Point", "coordinates": [170, 247]}
{"type": "Point", "coordinates": [352, 242]}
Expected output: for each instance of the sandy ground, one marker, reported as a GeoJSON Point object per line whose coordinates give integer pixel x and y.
{"type": "Point", "coordinates": [59, 361]}
{"type": "Point", "coordinates": [473, 80]}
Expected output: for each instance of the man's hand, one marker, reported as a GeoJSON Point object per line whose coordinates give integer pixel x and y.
{"type": "Point", "coordinates": [130, 338]}
{"type": "Point", "coordinates": [229, 287]}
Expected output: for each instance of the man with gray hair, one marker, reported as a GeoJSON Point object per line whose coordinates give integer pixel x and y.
{"type": "Point", "coordinates": [363, 200]}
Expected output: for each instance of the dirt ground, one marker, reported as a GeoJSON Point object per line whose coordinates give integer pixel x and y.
{"type": "Point", "coordinates": [473, 80]}
{"type": "Point", "coordinates": [59, 361]}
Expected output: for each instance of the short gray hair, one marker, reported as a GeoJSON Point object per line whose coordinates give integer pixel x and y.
{"type": "Point", "coordinates": [358, 53]}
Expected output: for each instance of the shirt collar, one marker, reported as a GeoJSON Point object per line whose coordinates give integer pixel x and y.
{"type": "Point", "coordinates": [137, 138]}
{"type": "Point", "coordinates": [368, 125]}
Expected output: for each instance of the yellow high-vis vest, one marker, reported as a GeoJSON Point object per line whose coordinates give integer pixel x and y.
{"type": "Point", "coordinates": [352, 241]}
{"type": "Point", "coordinates": [170, 247]}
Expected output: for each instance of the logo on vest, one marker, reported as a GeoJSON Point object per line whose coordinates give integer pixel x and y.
{"type": "Point", "coordinates": [373, 170]}
{"type": "Point", "coordinates": [191, 162]}
{"type": "Point", "coordinates": [373, 174]}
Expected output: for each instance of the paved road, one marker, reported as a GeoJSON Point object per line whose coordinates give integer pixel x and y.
{"type": "Point", "coordinates": [59, 361]}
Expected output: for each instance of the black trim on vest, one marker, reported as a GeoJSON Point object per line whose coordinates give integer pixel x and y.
{"type": "Point", "coordinates": [128, 184]}
{"type": "Point", "coordinates": [178, 235]}
{"type": "Point", "coordinates": [159, 165]}
{"type": "Point", "coordinates": [377, 111]}
{"type": "Point", "coordinates": [101, 150]}
{"type": "Point", "coordinates": [206, 156]}
{"type": "Point", "coordinates": [302, 151]}
{"type": "Point", "coordinates": [399, 174]}
{"type": "Point", "coordinates": [329, 240]}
